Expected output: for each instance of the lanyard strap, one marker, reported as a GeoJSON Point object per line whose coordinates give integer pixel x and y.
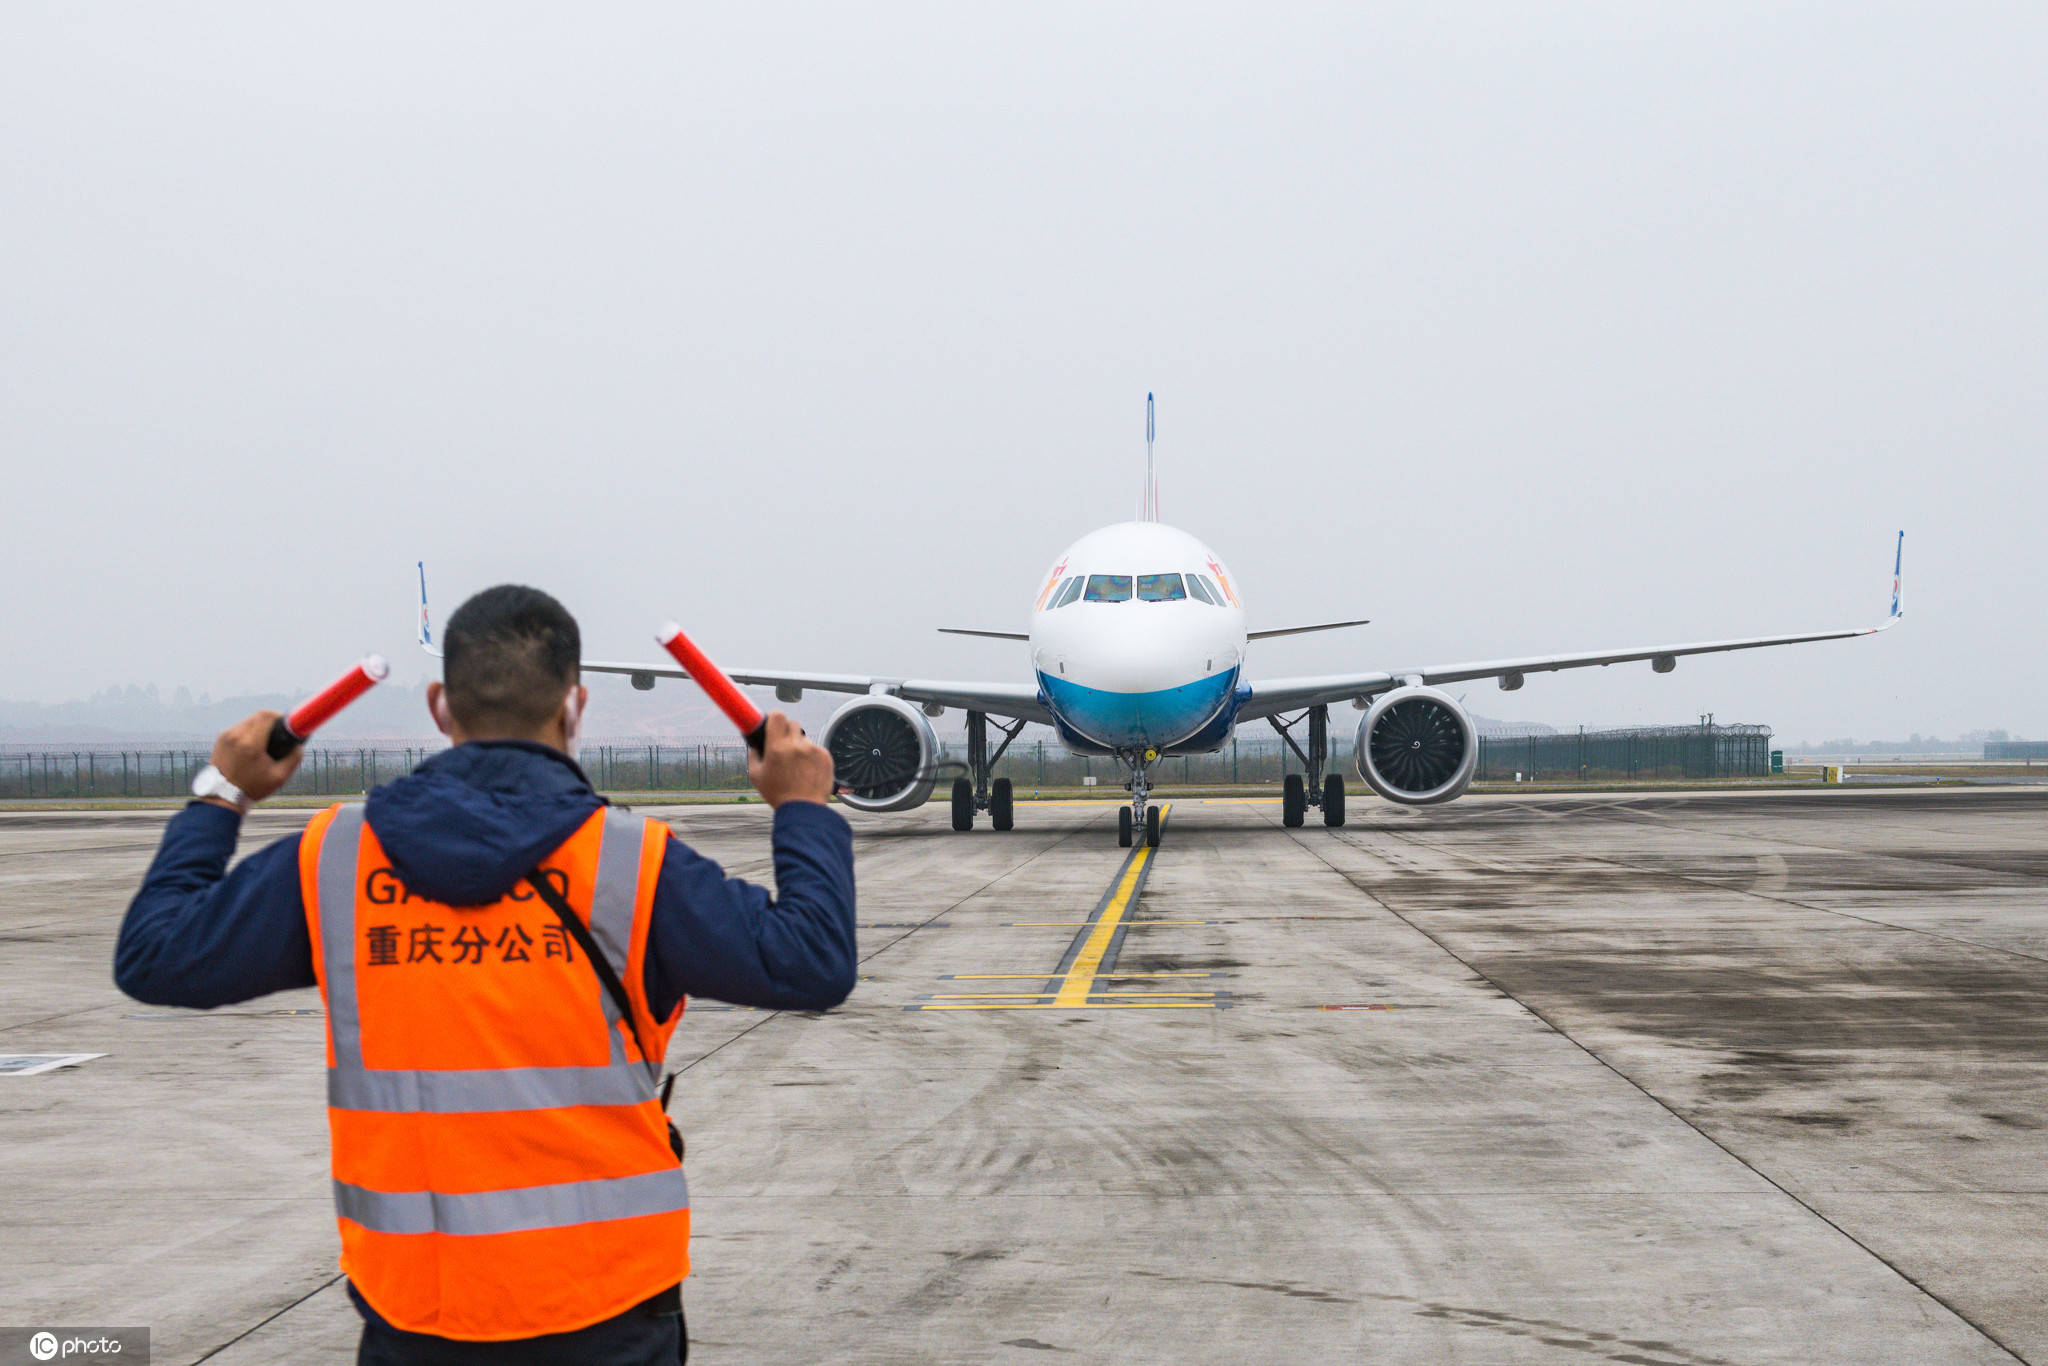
{"type": "Point", "coordinates": [602, 965]}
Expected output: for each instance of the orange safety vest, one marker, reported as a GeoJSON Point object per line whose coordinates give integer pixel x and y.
{"type": "Point", "coordinates": [501, 1161]}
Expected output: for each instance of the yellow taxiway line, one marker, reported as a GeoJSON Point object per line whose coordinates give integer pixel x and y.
{"type": "Point", "coordinates": [1080, 979]}
{"type": "Point", "coordinates": [1082, 1005]}
{"type": "Point", "coordinates": [1078, 988]}
{"type": "Point", "coordinates": [1077, 924]}
{"type": "Point", "coordinates": [1096, 996]}
{"type": "Point", "coordinates": [1041, 976]}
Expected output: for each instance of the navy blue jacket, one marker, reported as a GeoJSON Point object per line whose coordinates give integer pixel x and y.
{"type": "Point", "coordinates": [464, 829]}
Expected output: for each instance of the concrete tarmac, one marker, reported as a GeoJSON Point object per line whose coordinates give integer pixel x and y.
{"type": "Point", "coordinates": [1676, 1080]}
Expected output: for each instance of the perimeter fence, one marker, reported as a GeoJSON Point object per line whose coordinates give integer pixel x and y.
{"type": "Point", "coordinates": [719, 764]}
{"type": "Point", "coordinates": [1702, 751]}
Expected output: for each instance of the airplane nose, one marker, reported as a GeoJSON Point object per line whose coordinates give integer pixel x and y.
{"type": "Point", "coordinates": [1123, 665]}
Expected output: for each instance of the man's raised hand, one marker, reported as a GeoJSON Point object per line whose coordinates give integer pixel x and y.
{"type": "Point", "coordinates": [243, 759]}
{"type": "Point", "coordinates": [789, 768]}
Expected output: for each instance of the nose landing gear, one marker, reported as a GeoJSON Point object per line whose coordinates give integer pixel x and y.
{"type": "Point", "coordinates": [1138, 816]}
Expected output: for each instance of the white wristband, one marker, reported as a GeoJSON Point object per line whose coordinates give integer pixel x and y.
{"type": "Point", "coordinates": [211, 782]}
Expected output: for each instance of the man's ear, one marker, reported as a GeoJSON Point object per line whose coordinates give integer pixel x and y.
{"type": "Point", "coordinates": [574, 703]}
{"type": "Point", "coordinates": [437, 707]}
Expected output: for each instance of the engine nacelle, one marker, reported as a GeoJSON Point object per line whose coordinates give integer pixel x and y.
{"type": "Point", "coordinates": [884, 751]}
{"type": "Point", "coordinates": [1417, 746]}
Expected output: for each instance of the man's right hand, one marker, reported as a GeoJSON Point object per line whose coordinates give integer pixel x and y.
{"type": "Point", "coordinates": [243, 759]}
{"type": "Point", "coordinates": [789, 768]}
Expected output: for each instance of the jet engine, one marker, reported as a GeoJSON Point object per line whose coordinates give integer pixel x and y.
{"type": "Point", "coordinates": [1417, 746]}
{"type": "Point", "coordinates": [884, 753]}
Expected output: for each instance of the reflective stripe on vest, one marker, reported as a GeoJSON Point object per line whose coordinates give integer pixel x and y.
{"type": "Point", "coordinates": [513, 1211]}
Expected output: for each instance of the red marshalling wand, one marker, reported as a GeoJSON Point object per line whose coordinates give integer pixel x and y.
{"type": "Point", "coordinates": [287, 733]}
{"type": "Point", "coordinates": [737, 706]}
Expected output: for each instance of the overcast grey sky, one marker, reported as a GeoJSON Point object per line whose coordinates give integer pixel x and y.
{"type": "Point", "coordinates": [1514, 327]}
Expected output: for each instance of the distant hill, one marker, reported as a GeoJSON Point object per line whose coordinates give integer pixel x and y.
{"type": "Point", "coordinates": [1970, 742]}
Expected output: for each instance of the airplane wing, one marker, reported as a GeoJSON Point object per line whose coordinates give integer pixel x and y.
{"type": "Point", "coordinates": [1015, 700]}
{"type": "Point", "coordinates": [1018, 700]}
{"type": "Point", "coordinates": [1278, 695]}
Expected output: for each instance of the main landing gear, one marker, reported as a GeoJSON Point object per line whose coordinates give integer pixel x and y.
{"type": "Point", "coordinates": [1139, 815]}
{"type": "Point", "coordinates": [980, 792]}
{"type": "Point", "coordinates": [1298, 792]}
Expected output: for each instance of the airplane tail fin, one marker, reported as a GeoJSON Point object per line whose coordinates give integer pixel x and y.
{"type": "Point", "coordinates": [1148, 502]}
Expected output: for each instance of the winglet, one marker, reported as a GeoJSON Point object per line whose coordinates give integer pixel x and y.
{"type": "Point", "coordinates": [1898, 593]}
{"type": "Point", "coordinates": [426, 631]}
{"type": "Point", "coordinates": [1898, 596]}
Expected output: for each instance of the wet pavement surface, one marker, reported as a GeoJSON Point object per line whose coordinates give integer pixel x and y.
{"type": "Point", "coordinates": [1667, 1079]}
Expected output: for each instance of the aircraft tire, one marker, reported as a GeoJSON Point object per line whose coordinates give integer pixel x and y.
{"type": "Point", "coordinates": [1151, 827]}
{"type": "Point", "coordinates": [1333, 799]}
{"type": "Point", "coordinates": [1002, 804]}
{"type": "Point", "coordinates": [963, 804]}
{"type": "Point", "coordinates": [1293, 801]}
{"type": "Point", "coordinates": [1123, 827]}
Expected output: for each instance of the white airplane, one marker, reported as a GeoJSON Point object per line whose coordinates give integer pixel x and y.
{"type": "Point", "coordinates": [1138, 651]}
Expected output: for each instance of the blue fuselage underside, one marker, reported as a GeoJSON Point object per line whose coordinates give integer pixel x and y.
{"type": "Point", "coordinates": [1193, 718]}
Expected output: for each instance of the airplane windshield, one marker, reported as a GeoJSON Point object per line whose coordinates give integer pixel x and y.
{"type": "Point", "coordinates": [1069, 590]}
{"type": "Point", "coordinates": [1160, 588]}
{"type": "Point", "coordinates": [1199, 593]}
{"type": "Point", "coordinates": [1108, 588]}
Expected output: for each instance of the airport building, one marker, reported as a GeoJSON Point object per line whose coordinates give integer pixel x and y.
{"type": "Point", "coordinates": [2016, 751]}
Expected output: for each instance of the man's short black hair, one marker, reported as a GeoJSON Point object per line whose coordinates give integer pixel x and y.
{"type": "Point", "coordinates": [509, 655]}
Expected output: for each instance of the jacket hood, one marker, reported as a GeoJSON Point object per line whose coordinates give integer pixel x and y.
{"type": "Point", "coordinates": [469, 824]}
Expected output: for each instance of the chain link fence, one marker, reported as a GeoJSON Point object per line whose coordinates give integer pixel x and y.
{"type": "Point", "coordinates": [689, 765]}
{"type": "Point", "coordinates": [1701, 751]}
{"type": "Point", "coordinates": [127, 771]}
{"type": "Point", "coordinates": [720, 765]}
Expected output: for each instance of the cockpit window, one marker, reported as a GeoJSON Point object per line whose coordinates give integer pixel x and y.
{"type": "Point", "coordinates": [1215, 593]}
{"type": "Point", "coordinates": [1199, 593]}
{"type": "Point", "coordinates": [1069, 590]}
{"type": "Point", "coordinates": [1160, 588]}
{"type": "Point", "coordinates": [1108, 588]}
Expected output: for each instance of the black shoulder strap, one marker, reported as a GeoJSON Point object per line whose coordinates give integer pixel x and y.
{"type": "Point", "coordinates": [602, 965]}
